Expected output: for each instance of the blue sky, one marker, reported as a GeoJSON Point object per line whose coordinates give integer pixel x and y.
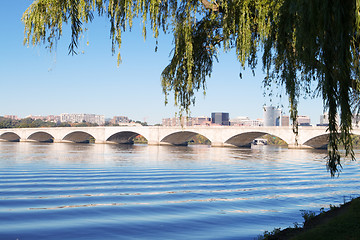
{"type": "Point", "coordinates": [35, 81]}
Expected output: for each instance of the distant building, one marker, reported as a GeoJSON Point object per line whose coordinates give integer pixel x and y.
{"type": "Point", "coordinates": [177, 121]}
{"type": "Point", "coordinates": [201, 121]}
{"type": "Point", "coordinates": [258, 122]}
{"type": "Point", "coordinates": [285, 121]}
{"type": "Point", "coordinates": [245, 121]}
{"type": "Point", "coordinates": [13, 117]}
{"type": "Point", "coordinates": [53, 118]}
{"type": "Point", "coordinates": [355, 120]}
{"type": "Point", "coordinates": [303, 120]}
{"type": "Point", "coordinates": [238, 121]}
{"type": "Point", "coordinates": [79, 118]}
{"type": "Point", "coordinates": [220, 118]}
{"type": "Point", "coordinates": [166, 122]}
{"type": "Point", "coordinates": [49, 118]}
{"type": "Point", "coordinates": [186, 121]}
{"type": "Point", "coordinates": [43, 118]}
{"type": "Point", "coordinates": [120, 119]}
{"type": "Point", "coordinates": [324, 120]}
{"type": "Point", "coordinates": [272, 116]}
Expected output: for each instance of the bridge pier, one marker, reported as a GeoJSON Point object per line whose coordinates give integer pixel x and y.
{"type": "Point", "coordinates": [221, 144]}
{"type": "Point", "coordinates": [217, 144]}
{"type": "Point", "coordinates": [153, 143]}
{"type": "Point", "coordinates": [169, 144]}
{"type": "Point", "coordinates": [299, 146]}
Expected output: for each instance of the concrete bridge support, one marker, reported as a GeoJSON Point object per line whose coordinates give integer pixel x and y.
{"type": "Point", "coordinates": [221, 144]}
{"type": "Point", "coordinates": [299, 146]}
{"type": "Point", "coordinates": [217, 144]}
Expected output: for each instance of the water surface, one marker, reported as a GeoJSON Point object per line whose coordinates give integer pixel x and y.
{"type": "Point", "coordinates": [96, 191]}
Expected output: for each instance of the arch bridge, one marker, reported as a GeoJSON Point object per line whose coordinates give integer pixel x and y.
{"type": "Point", "coordinates": [220, 136]}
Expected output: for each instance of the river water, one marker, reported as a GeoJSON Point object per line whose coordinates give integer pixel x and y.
{"type": "Point", "coordinates": [98, 191]}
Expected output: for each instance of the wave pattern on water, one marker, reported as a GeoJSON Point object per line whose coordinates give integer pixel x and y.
{"type": "Point", "coordinates": [70, 191]}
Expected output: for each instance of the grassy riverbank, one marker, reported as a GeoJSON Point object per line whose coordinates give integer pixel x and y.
{"type": "Point", "coordinates": [340, 223]}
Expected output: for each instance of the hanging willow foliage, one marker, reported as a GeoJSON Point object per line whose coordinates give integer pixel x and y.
{"type": "Point", "coordinates": [302, 42]}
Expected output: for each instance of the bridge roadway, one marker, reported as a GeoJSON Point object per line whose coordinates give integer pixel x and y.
{"type": "Point", "coordinates": [220, 136]}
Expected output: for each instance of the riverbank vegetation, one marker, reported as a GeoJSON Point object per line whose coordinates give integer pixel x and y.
{"type": "Point", "coordinates": [37, 123]}
{"type": "Point", "coordinates": [139, 139]}
{"type": "Point", "coordinates": [199, 140]}
{"type": "Point", "coordinates": [340, 222]}
{"type": "Point", "coordinates": [273, 140]}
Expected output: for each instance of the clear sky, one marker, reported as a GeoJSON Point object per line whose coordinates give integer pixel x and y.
{"type": "Point", "coordinates": [36, 82]}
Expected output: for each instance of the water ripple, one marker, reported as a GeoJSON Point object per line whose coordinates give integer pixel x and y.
{"type": "Point", "coordinates": [157, 193]}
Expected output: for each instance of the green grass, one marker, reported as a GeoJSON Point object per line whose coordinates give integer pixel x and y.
{"type": "Point", "coordinates": [339, 223]}
{"type": "Point", "coordinates": [346, 225]}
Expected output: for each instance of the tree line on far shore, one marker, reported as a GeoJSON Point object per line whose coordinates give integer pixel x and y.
{"type": "Point", "coordinates": [37, 123]}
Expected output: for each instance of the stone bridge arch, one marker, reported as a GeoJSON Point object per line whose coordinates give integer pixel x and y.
{"type": "Point", "coordinates": [79, 137]}
{"type": "Point", "coordinates": [318, 142]}
{"type": "Point", "coordinates": [41, 136]}
{"type": "Point", "coordinates": [180, 138]}
{"type": "Point", "coordinates": [245, 139]}
{"type": "Point", "coordinates": [10, 137]}
{"type": "Point", "coordinates": [123, 137]}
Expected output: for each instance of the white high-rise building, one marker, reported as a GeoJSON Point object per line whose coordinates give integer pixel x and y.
{"type": "Point", "coordinates": [324, 119]}
{"type": "Point", "coordinates": [272, 116]}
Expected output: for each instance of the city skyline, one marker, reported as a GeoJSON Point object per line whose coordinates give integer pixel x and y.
{"type": "Point", "coordinates": [37, 82]}
{"type": "Point", "coordinates": [216, 118]}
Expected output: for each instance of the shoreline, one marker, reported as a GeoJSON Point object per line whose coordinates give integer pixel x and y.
{"type": "Point", "coordinates": [339, 222]}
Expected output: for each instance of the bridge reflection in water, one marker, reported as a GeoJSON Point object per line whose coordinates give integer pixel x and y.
{"type": "Point", "coordinates": [219, 136]}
